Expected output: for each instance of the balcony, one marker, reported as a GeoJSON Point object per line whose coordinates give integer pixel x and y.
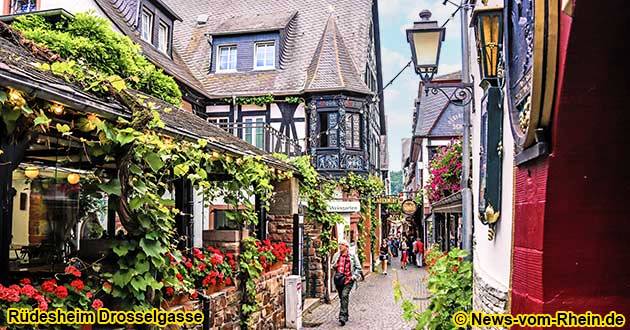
{"type": "Point", "coordinates": [264, 137]}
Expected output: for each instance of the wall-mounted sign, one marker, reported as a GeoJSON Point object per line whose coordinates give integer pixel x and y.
{"type": "Point", "coordinates": [387, 200]}
{"type": "Point", "coordinates": [409, 207]}
{"type": "Point", "coordinates": [343, 206]}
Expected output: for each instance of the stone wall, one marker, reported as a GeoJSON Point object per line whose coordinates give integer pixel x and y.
{"type": "Point", "coordinates": [488, 298]}
{"type": "Point", "coordinates": [225, 305]}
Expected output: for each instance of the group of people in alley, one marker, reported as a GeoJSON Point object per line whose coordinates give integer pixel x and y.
{"type": "Point", "coordinates": [347, 267]}
{"type": "Point", "coordinates": [410, 250]}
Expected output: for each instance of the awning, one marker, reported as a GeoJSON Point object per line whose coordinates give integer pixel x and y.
{"type": "Point", "coordinates": [449, 204]}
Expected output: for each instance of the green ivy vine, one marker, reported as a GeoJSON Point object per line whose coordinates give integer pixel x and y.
{"type": "Point", "coordinates": [368, 187]}
{"type": "Point", "coordinates": [147, 164]}
{"type": "Point", "coordinates": [263, 100]}
{"type": "Point", "coordinates": [90, 40]}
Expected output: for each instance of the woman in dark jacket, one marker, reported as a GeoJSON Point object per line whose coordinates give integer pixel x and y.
{"type": "Point", "coordinates": [384, 254]}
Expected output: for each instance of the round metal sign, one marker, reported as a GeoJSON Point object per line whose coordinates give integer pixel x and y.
{"type": "Point", "coordinates": [409, 207]}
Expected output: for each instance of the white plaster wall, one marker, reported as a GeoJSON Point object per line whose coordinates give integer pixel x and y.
{"type": "Point", "coordinates": [20, 218]}
{"type": "Point", "coordinates": [492, 259]}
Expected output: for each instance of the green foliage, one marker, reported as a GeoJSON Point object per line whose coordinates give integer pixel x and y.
{"type": "Point", "coordinates": [317, 191]}
{"type": "Point", "coordinates": [250, 271]}
{"type": "Point", "coordinates": [369, 188]}
{"type": "Point", "coordinates": [396, 182]}
{"type": "Point", "coordinates": [90, 41]}
{"type": "Point", "coordinates": [294, 99]}
{"type": "Point", "coordinates": [450, 283]}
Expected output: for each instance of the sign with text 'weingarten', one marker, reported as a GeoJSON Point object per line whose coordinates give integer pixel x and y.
{"type": "Point", "coordinates": [339, 206]}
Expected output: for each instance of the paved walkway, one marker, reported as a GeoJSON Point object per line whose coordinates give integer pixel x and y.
{"type": "Point", "coordinates": [372, 304]}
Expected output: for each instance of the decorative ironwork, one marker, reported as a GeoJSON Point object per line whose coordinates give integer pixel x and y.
{"type": "Point", "coordinates": [330, 162]}
{"type": "Point", "coordinates": [460, 94]}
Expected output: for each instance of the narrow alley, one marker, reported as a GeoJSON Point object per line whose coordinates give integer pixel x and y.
{"type": "Point", "coordinates": [372, 304]}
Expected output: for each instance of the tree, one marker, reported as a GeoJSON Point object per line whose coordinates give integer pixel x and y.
{"type": "Point", "coordinates": [396, 179]}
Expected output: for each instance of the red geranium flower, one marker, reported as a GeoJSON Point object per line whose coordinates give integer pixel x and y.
{"type": "Point", "coordinates": [170, 291]}
{"type": "Point", "coordinates": [42, 304]}
{"type": "Point", "coordinates": [28, 290]}
{"type": "Point", "coordinates": [25, 281]}
{"type": "Point", "coordinates": [228, 281]}
{"type": "Point", "coordinates": [188, 264]}
{"type": "Point", "coordinates": [97, 303]}
{"type": "Point", "coordinates": [180, 277]}
{"type": "Point", "coordinates": [201, 267]}
{"type": "Point", "coordinates": [49, 285]}
{"type": "Point", "coordinates": [194, 295]}
{"type": "Point", "coordinates": [216, 259]}
{"type": "Point", "coordinates": [73, 271]}
{"type": "Point", "coordinates": [89, 295]}
{"type": "Point", "coordinates": [61, 292]}
{"type": "Point", "coordinates": [77, 284]}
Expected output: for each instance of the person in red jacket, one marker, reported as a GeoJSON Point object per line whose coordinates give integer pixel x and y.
{"type": "Point", "coordinates": [418, 249]}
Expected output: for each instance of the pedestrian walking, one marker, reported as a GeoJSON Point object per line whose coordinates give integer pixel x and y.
{"type": "Point", "coordinates": [404, 250]}
{"type": "Point", "coordinates": [384, 254]}
{"type": "Point", "coordinates": [418, 249]}
{"type": "Point", "coordinates": [347, 271]}
{"type": "Point", "coordinates": [410, 254]}
{"type": "Point", "coordinates": [395, 244]}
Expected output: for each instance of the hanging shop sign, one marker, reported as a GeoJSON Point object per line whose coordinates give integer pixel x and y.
{"type": "Point", "coordinates": [409, 207]}
{"type": "Point", "coordinates": [531, 42]}
{"type": "Point", "coordinates": [388, 200]}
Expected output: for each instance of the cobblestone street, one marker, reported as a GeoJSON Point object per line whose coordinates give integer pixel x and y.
{"type": "Point", "coordinates": [372, 304]}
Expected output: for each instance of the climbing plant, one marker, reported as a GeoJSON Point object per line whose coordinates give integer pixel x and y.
{"type": "Point", "coordinates": [147, 164]}
{"type": "Point", "coordinates": [317, 191]}
{"type": "Point", "coordinates": [90, 41]}
{"type": "Point", "coordinates": [368, 188]}
{"type": "Point", "coordinates": [263, 100]}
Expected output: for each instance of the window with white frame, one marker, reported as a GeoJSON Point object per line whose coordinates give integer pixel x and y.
{"type": "Point", "coordinates": [254, 131]}
{"type": "Point", "coordinates": [146, 26]}
{"type": "Point", "coordinates": [163, 37]}
{"type": "Point", "coordinates": [265, 55]}
{"type": "Point", "coordinates": [227, 58]}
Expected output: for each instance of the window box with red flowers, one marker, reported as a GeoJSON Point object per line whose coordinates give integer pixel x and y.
{"type": "Point", "coordinates": [272, 255]}
{"type": "Point", "coordinates": [67, 291]}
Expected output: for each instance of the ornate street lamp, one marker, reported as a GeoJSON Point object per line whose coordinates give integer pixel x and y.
{"type": "Point", "coordinates": [425, 40]}
{"type": "Point", "coordinates": [488, 24]}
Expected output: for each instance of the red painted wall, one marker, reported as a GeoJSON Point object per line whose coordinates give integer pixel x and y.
{"type": "Point", "coordinates": [572, 226]}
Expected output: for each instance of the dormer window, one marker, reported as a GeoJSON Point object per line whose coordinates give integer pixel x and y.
{"type": "Point", "coordinates": [163, 37]}
{"type": "Point", "coordinates": [22, 6]}
{"type": "Point", "coordinates": [227, 58]}
{"type": "Point", "coordinates": [146, 28]}
{"type": "Point", "coordinates": [265, 55]}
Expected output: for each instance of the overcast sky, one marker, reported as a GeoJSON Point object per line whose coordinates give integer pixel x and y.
{"type": "Point", "coordinates": [395, 17]}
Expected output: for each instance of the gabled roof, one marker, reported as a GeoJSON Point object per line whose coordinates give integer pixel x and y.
{"type": "Point", "coordinates": [332, 67]}
{"type": "Point", "coordinates": [305, 29]}
{"type": "Point", "coordinates": [18, 68]}
{"type": "Point", "coordinates": [435, 114]}
{"type": "Point", "coordinates": [124, 15]}
{"type": "Point", "coordinates": [248, 23]}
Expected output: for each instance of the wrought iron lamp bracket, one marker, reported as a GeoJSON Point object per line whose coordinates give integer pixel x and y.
{"type": "Point", "coordinates": [462, 94]}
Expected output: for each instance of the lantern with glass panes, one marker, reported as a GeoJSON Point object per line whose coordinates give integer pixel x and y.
{"type": "Point", "coordinates": [488, 24]}
{"type": "Point", "coordinates": [425, 40]}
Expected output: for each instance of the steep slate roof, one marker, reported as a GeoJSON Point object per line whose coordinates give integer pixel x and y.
{"type": "Point", "coordinates": [254, 23]}
{"type": "Point", "coordinates": [332, 67]}
{"type": "Point", "coordinates": [353, 18]}
{"type": "Point", "coordinates": [18, 69]}
{"type": "Point", "coordinates": [434, 111]}
{"type": "Point", "coordinates": [124, 15]}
